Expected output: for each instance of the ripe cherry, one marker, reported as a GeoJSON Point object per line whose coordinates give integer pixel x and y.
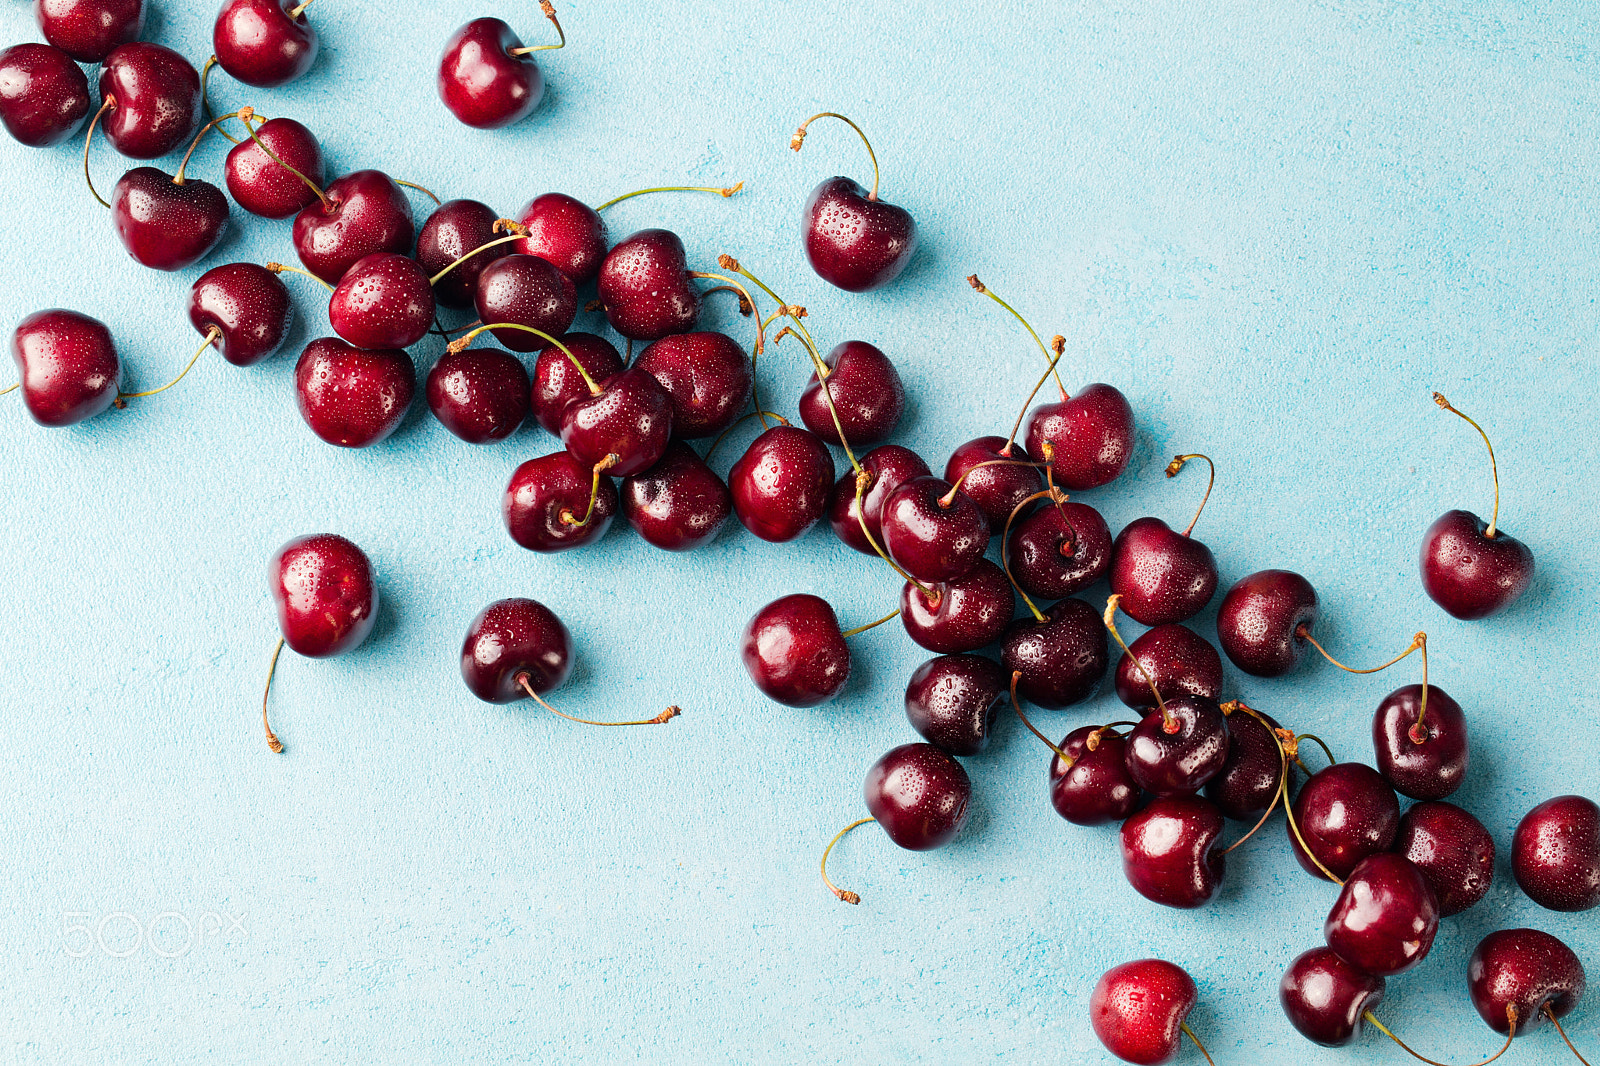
{"type": "Point", "coordinates": [44, 95]}
{"type": "Point", "coordinates": [266, 186]}
{"type": "Point", "coordinates": [707, 375]}
{"type": "Point", "coordinates": [1138, 1009]}
{"type": "Point", "coordinates": [265, 43]}
{"type": "Point", "coordinates": [645, 286]}
{"type": "Point", "coordinates": [556, 381]}
{"type": "Point", "coordinates": [487, 76]}
{"type": "Point", "coordinates": [1326, 998]}
{"type": "Point", "coordinates": [68, 366]}
{"type": "Point", "coordinates": [1555, 854]}
{"type": "Point", "coordinates": [1248, 785]}
{"type": "Point", "coordinates": [1422, 751]}
{"type": "Point", "coordinates": [795, 652]}
{"type": "Point", "coordinates": [1344, 813]}
{"type": "Point", "coordinates": [625, 421]}
{"type": "Point", "coordinates": [1164, 576]}
{"type": "Point", "coordinates": [1095, 788]}
{"type": "Point", "coordinates": [679, 503]}
{"type": "Point", "coordinates": [1385, 918]}
{"type": "Point", "coordinates": [952, 701]}
{"type": "Point", "coordinates": [357, 215]}
{"type": "Point", "coordinates": [526, 291]}
{"type": "Point", "coordinates": [456, 228]}
{"type": "Point", "coordinates": [933, 530]}
{"type": "Point", "coordinates": [1176, 658]}
{"type": "Point", "coordinates": [1061, 654]}
{"type": "Point", "coordinates": [565, 232]}
{"type": "Point", "coordinates": [353, 397]}
{"type": "Point", "coordinates": [1517, 978]}
{"type": "Point", "coordinates": [781, 483]}
{"type": "Point", "coordinates": [999, 487]}
{"type": "Point", "coordinates": [1451, 849]}
{"type": "Point", "coordinates": [961, 615]}
{"type": "Point", "coordinates": [920, 795]}
{"type": "Point", "coordinates": [480, 395]}
{"type": "Point", "coordinates": [89, 30]}
{"type": "Point", "coordinates": [1171, 851]}
{"type": "Point", "coordinates": [867, 395]}
{"type": "Point", "coordinates": [1264, 621]}
{"type": "Point", "coordinates": [383, 301]}
{"type": "Point", "coordinates": [246, 307]}
{"type": "Point", "coordinates": [1060, 549]}
{"type": "Point", "coordinates": [1087, 439]}
{"type": "Point", "coordinates": [150, 100]}
{"type": "Point", "coordinates": [167, 222]}
{"type": "Point", "coordinates": [554, 503]}
{"type": "Point", "coordinates": [1178, 748]}
{"type": "Point", "coordinates": [887, 467]}
{"type": "Point", "coordinates": [854, 241]}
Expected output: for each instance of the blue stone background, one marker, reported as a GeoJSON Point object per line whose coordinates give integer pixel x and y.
{"type": "Point", "coordinates": [1275, 227]}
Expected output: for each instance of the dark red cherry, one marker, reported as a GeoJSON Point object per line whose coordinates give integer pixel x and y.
{"type": "Point", "coordinates": [854, 240]}
{"type": "Point", "coordinates": [1326, 998]}
{"type": "Point", "coordinates": [952, 701]}
{"type": "Point", "coordinates": [1425, 762]}
{"type": "Point", "coordinates": [526, 290]}
{"type": "Point", "coordinates": [88, 30]}
{"type": "Point", "coordinates": [630, 418]}
{"type": "Point", "coordinates": [556, 382]}
{"type": "Point", "coordinates": [1167, 761]}
{"type": "Point", "coordinates": [1089, 437]}
{"type": "Point", "coordinates": [353, 397]}
{"type": "Point", "coordinates": [708, 376]}
{"type": "Point", "coordinates": [890, 466]}
{"type": "Point", "coordinates": [1138, 1010]}
{"type": "Point", "coordinates": [933, 532]}
{"type": "Point", "coordinates": [919, 795]}
{"type": "Point", "coordinates": [1162, 575]}
{"type": "Point", "coordinates": [566, 233]}
{"type": "Point", "coordinates": [1059, 550]}
{"type": "Point", "coordinates": [1524, 969]}
{"type": "Point", "coordinates": [781, 483]}
{"type": "Point", "coordinates": [248, 306]}
{"type": "Point", "coordinates": [1345, 812]}
{"type": "Point", "coordinates": [1171, 851]}
{"type": "Point", "coordinates": [1096, 789]}
{"type": "Point", "coordinates": [1179, 661]}
{"type": "Point", "coordinates": [326, 596]}
{"type": "Point", "coordinates": [157, 96]}
{"type": "Point", "coordinates": [645, 286]}
{"type": "Point", "coordinates": [260, 184]}
{"type": "Point", "coordinates": [1385, 918]}
{"type": "Point", "coordinates": [482, 82]}
{"type": "Point", "coordinates": [1259, 621]}
{"type": "Point", "coordinates": [455, 228]}
{"type": "Point", "coordinates": [866, 391]}
{"type": "Point", "coordinates": [1248, 782]}
{"type": "Point", "coordinates": [678, 504]}
{"type": "Point", "coordinates": [265, 43]}
{"type": "Point", "coordinates": [1062, 659]}
{"type": "Point", "coordinates": [546, 504]}
{"type": "Point", "coordinates": [961, 615]}
{"type": "Point", "coordinates": [1452, 850]}
{"type": "Point", "coordinates": [68, 366]}
{"type": "Point", "coordinates": [1555, 855]}
{"type": "Point", "coordinates": [44, 95]}
{"type": "Point", "coordinates": [165, 225]}
{"type": "Point", "coordinates": [366, 213]}
{"type": "Point", "coordinates": [1470, 574]}
{"type": "Point", "coordinates": [479, 394]}
{"type": "Point", "coordinates": [795, 652]}
{"type": "Point", "coordinates": [383, 301]}
{"type": "Point", "coordinates": [513, 641]}
{"type": "Point", "coordinates": [996, 489]}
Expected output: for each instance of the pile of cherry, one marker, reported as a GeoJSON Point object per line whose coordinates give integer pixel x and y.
{"type": "Point", "coordinates": [1172, 777]}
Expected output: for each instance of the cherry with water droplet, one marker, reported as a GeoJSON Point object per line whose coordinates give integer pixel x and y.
{"type": "Point", "coordinates": [265, 186]}
{"type": "Point", "coordinates": [679, 503]}
{"type": "Point", "coordinates": [852, 239]}
{"type": "Point", "coordinates": [1138, 1009]}
{"type": "Point", "coordinates": [265, 43]}
{"type": "Point", "coordinates": [1385, 918]}
{"type": "Point", "coordinates": [1451, 849]}
{"type": "Point", "coordinates": [1176, 659]}
{"type": "Point", "coordinates": [962, 615]}
{"type": "Point", "coordinates": [1518, 978]}
{"type": "Point", "coordinates": [795, 651]}
{"type": "Point", "coordinates": [556, 381]}
{"type": "Point", "coordinates": [933, 530]}
{"type": "Point", "coordinates": [645, 286]}
{"type": "Point", "coordinates": [1171, 851]}
{"type": "Point", "coordinates": [487, 76]}
{"type": "Point", "coordinates": [1555, 854]}
{"type": "Point", "coordinates": [68, 366]}
{"type": "Point", "coordinates": [1345, 812]}
{"type": "Point", "coordinates": [456, 228]}
{"type": "Point", "coordinates": [1422, 751]}
{"type": "Point", "coordinates": [952, 701]}
{"type": "Point", "coordinates": [1164, 576]}
{"type": "Point", "coordinates": [887, 467]}
{"type": "Point", "coordinates": [554, 503]}
{"type": "Point", "coordinates": [150, 100]}
{"type": "Point", "coordinates": [360, 214]}
{"type": "Point", "coordinates": [1263, 622]}
{"type": "Point", "coordinates": [248, 308]}
{"type": "Point", "coordinates": [480, 395]}
{"type": "Point", "coordinates": [1326, 999]}
{"type": "Point", "coordinates": [781, 483]}
{"type": "Point", "coordinates": [1095, 788]}
{"type": "Point", "coordinates": [866, 391]}
{"type": "Point", "coordinates": [1059, 550]}
{"type": "Point", "coordinates": [526, 291]}
{"type": "Point", "coordinates": [1062, 654]}
{"type": "Point", "coordinates": [707, 375]}
{"type": "Point", "coordinates": [998, 488]}
{"type": "Point", "coordinates": [89, 30]}
{"type": "Point", "coordinates": [44, 95]}
{"type": "Point", "coordinates": [353, 397]}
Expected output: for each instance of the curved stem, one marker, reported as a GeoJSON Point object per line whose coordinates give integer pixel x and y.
{"type": "Point", "coordinates": [1511, 1012]}
{"type": "Point", "coordinates": [864, 482]}
{"type": "Point", "coordinates": [1005, 554]}
{"type": "Point", "coordinates": [1418, 641]}
{"type": "Point", "coordinates": [1318, 741]}
{"type": "Point", "coordinates": [972, 279]}
{"type": "Point", "coordinates": [661, 719]}
{"type": "Point", "coordinates": [1288, 812]}
{"type": "Point", "coordinates": [1190, 1032]}
{"type": "Point", "coordinates": [1066, 759]}
{"type": "Point", "coordinates": [109, 103]}
{"type": "Point", "coordinates": [1494, 468]}
{"type": "Point", "coordinates": [280, 268]}
{"type": "Point", "coordinates": [1016, 426]}
{"type": "Point", "coordinates": [1058, 499]}
{"type": "Point", "coordinates": [549, 10]}
{"type": "Point", "coordinates": [515, 236]}
{"type": "Point", "coordinates": [950, 497]}
{"type": "Point", "coordinates": [594, 492]}
{"type": "Point", "coordinates": [11, 388]}
{"type": "Point", "coordinates": [1168, 723]}
{"type": "Point", "coordinates": [211, 338]}
{"type": "Point", "coordinates": [295, 12]}
{"type": "Point", "coordinates": [413, 185]}
{"type": "Point", "coordinates": [205, 96]}
{"type": "Point", "coordinates": [799, 138]}
{"type": "Point", "coordinates": [891, 616]}
{"type": "Point", "coordinates": [327, 205]}
{"type": "Point", "coordinates": [1548, 1013]}
{"type": "Point", "coordinates": [461, 343]}
{"type": "Point", "coordinates": [1177, 465]}
{"type": "Point", "coordinates": [243, 115]}
{"type": "Point", "coordinates": [844, 894]}
{"type": "Point", "coordinates": [1283, 784]}
{"type": "Point", "coordinates": [764, 415]}
{"type": "Point", "coordinates": [745, 299]}
{"type": "Point", "coordinates": [745, 309]}
{"type": "Point", "coordinates": [272, 738]}
{"type": "Point", "coordinates": [724, 192]}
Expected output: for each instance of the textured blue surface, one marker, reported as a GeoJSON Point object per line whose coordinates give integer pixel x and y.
{"type": "Point", "coordinates": [1275, 227]}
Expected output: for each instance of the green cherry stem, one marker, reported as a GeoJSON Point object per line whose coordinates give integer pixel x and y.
{"type": "Point", "coordinates": [12, 388]}
{"type": "Point", "coordinates": [243, 115]}
{"type": "Point", "coordinates": [1169, 724]}
{"type": "Point", "coordinates": [281, 268]}
{"type": "Point", "coordinates": [799, 139]}
{"type": "Point", "coordinates": [419, 188]}
{"type": "Point", "coordinates": [723, 192]}
{"type": "Point", "coordinates": [1190, 1034]}
{"type": "Point", "coordinates": [661, 719]}
{"type": "Point", "coordinates": [1059, 344]}
{"type": "Point", "coordinates": [549, 10]}
{"type": "Point", "coordinates": [212, 336]}
{"type": "Point", "coordinates": [272, 738]}
{"type": "Point", "coordinates": [891, 616]}
{"type": "Point", "coordinates": [1005, 555]}
{"type": "Point", "coordinates": [843, 894]}
{"type": "Point", "coordinates": [1177, 465]}
{"type": "Point", "coordinates": [205, 96]}
{"type": "Point", "coordinates": [1494, 468]}
{"type": "Point", "coordinates": [460, 343]}
{"type": "Point", "coordinates": [1016, 675]}
{"type": "Point", "coordinates": [1511, 1016]}
{"type": "Point", "coordinates": [864, 479]}
{"type": "Point", "coordinates": [109, 103]}
{"type": "Point", "coordinates": [594, 493]}
{"type": "Point", "coordinates": [501, 225]}
{"type": "Point", "coordinates": [972, 279]}
{"type": "Point", "coordinates": [327, 205]}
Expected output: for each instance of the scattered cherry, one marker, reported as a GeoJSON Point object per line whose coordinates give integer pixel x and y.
{"type": "Point", "coordinates": [167, 222]}
{"type": "Point", "coordinates": [933, 530]}
{"type": "Point", "coordinates": [326, 596]}
{"type": "Point", "coordinates": [68, 366]}
{"type": "Point", "coordinates": [952, 701]}
{"type": "Point", "coordinates": [455, 228]}
{"type": "Point", "coordinates": [962, 615]}
{"type": "Point", "coordinates": [795, 652]}
{"type": "Point", "coordinates": [1171, 851]}
{"type": "Point", "coordinates": [854, 240]}
{"type": "Point", "coordinates": [480, 395]}
{"type": "Point", "coordinates": [625, 422]}
{"type": "Point", "coordinates": [1178, 748]}
{"type": "Point", "coordinates": [1138, 1009]}
{"type": "Point", "coordinates": [920, 795]}
{"type": "Point", "coordinates": [357, 215]}
{"type": "Point", "coordinates": [1525, 971]}
{"type": "Point", "coordinates": [1345, 813]}
{"type": "Point", "coordinates": [1177, 659]}
{"type": "Point", "coordinates": [89, 30]}
{"type": "Point", "coordinates": [383, 301]}
{"type": "Point", "coordinates": [1385, 918]}
{"type": "Point", "coordinates": [679, 503]}
{"type": "Point", "coordinates": [1096, 788]}
{"type": "Point", "coordinates": [150, 99]}
{"type": "Point", "coordinates": [1326, 998]}
{"type": "Point", "coordinates": [248, 308]}
{"type": "Point", "coordinates": [1058, 550]}
{"type": "Point", "coordinates": [1087, 439]}
{"type": "Point", "coordinates": [556, 382]}
{"type": "Point", "coordinates": [564, 232]}
{"type": "Point", "coordinates": [867, 395]}
{"type": "Point", "coordinates": [781, 483]}
{"type": "Point", "coordinates": [353, 397]}
{"type": "Point", "coordinates": [707, 375]}
{"type": "Point", "coordinates": [1451, 849]}
{"type": "Point", "coordinates": [1555, 854]}
{"type": "Point", "coordinates": [1422, 753]}
{"type": "Point", "coordinates": [554, 503]}
{"type": "Point", "coordinates": [1259, 624]}
{"type": "Point", "coordinates": [1163, 576]}
{"type": "Point", "coordinates": [887, 467]}
{"type": "Point", "coordinates": [1248, 784]}
{"type": "Point", "coordinates": [526, 291]}
{"type": "Point", "coordinates": [487, 77]}
{"type": "Point", "coordinates": [265, 43]}
{"type": "Point", "coordinates": [512, 643]}
{"type": "Point", "coordinates": [44, 95]}
{"type": "Point", "coordinates": [1062, 658]}
{"type": "Point", "coordinates": [264, 186]}
{"type": "Point", "coordinates": [645, 286]}
{"type": "Point", "coordinates": [998, 488]}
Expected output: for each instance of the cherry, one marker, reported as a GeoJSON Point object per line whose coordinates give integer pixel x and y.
{"type": "Point", "coordinates": [1555, 854]}
{"type": "Point", "coordinates": [887, 467]}
{"type": "Point", "coordinates": [1179, 748]}
{"type": "Point", "coordinates": [1264, 622]}
{"type": "Point", "coordinates": [933, 530]}
{"type": "Point", "coordinates": [150, 97]}
{"type": "Point", "coordinates": [627, 421]}
{"type": "Point", "coordinates": [353, 397]}
{"type": "Point", "coordinates": [68, 366]}
{"type": "Point", "coordinates": [265, 186]}
{"type": "Point", "coordinates": [512, 643]}
{"type": "Point", "coordinates": [962, 615]}
{"type": "Point", "coordinates": [357, 215]}
{"type": "Point", "coordinates": [480, 395]}
{"type": "Point", "coordinates": [1058, 550]}
{"type": "Point", "coordinates": [707, 375]}
{"type": "Point", "coordinates": [383, 301]}
{"type": "Point", "coordinates": [89, 30]}
{"type": "Point", "coordinates": [265, 43]}
{"type": "Point", "coordinates": [326, 596]}
{"type": "Point", "coordinates": [1385, 918]}
{"type": "Point", "coordinates": [1061, 654]}
{"type": "Point", "coordinates": [556, 381]}
{"type": "Point", "coordinates": [679, 503]}
{"type": "Point", "coordinates": [1171, 851]}
{"type": "Point", "coordinates": [487, 77]}
{"type": "Point", "coordinates": [795, 652]}
{"type": "Point", "coordinates": [1095, 788]}
{"type": "Point", "coordinates": [1519, 977]}
{"type": "Point", "coordinates": [246, 306]}
{"type": "Point", "coordinates": [781, 483]}
{"type": "Point", "coordinates": [555, 502]}
{"type": "Point", "coordinates": [1470, 569]}
{"type": "Point", "coordinates": [1451, 849]}
{"type": "Point", "coordinates": [952, 701]}
{"type": "Point", "coordinates": [1345, 813]}
{"type": "Point", "coordinates": [526, 291]}
{"type": "Point", "coordinates": [456, 228]}
{"type": "Point", "coordinates": [164, 222]}
{"type": "Point", "coordinates": [852, 239]}
{"type": "Point", "coordinates": [1163, 576]}
{"type": "Point", "coordinates": [999, 488]}
{"type": "Point", "coordinates": [866, 391]}
{"type": "Point", "coordinates": [1326, 998]}
{"type": "Point", "coordinates": [1423, 753]}
{"type": "Point", "coordinates": [565, 232]}
{"type": "Point", "coordinates": [44, 95]}
{"type": "Point", "coordinates": [920, 795]}
{"type": "Point", "coordinates": [1138, 1009]}
{"type": "Point", "coordinates": [645, 286]}
{"type": "Point", "coordinates": [1247, 786]}
{"type": "Point", "coordinates": [1177, 659]}
{"type": "Point", "coordinates": [1087, 439]}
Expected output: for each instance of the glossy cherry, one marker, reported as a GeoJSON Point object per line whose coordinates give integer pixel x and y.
{"type": "Point", "coordinates": [952, 701]}
{"type": "Point", "coordinates": [1162, 575]}
{"type": "Point", "coordinates": [1345, 812]}
{"type": "Point", "coordinates": [556, 382]}
{"type": "Point", "coordinates": [997, 489]}
{"type": "Point", "coordinates": [678, 504]}
{"type": "Point", "coordinates": [645, 286]}
{"type": "Point", "coordinates": [1451, 849]}
{"type": "Point", "coordinates": [455, 228]}
{"type": "Point", "coordinates": [795, 652]}
{"type": "Point", "coordinates": [1096, 788]}
{"type": "Point", "coordinates": [1171, 851]}
{"type": "Point", "coordinates": [383, 301]}
{"type": "Point", "coordinates": [1177, 659]}
{"type": "Point", "coordinates": [1059, 549]}
{"type": "Point", "coordinates": [934, 532]}
{"type": "Point", "coordinates": [1062, 660]}
{"type": "Point", "coordinates": [154, 98]}
{"type": "Point", "coordinates": [326, 596]}
{"type": "Point", "coordinates": [483, 79]}
{"type": "Point", "coordinates": [1326, 998]}
{"type": "Point", "coordinates": [167, 224]}
{"type": "Point", "coordinates": [962, 615]}
{"type": "Point", "coordinates": [249, 308]}
{"type": "Point", "coordinates": [44, 95]}
{"type": "Point", "coordinates": [1385, 918]}
{"type": "Point", "coordinates": [920, 796]}
{"type": "Point", "coordinates": [350, 396]}
{"type": "Point", "coordinates": [852, 239]}
{"type": "Point", "coordinates": [1525, 969]}
{"type": "Point", "coordinates": [1180, 750]}
{"type": "Point", "coordinates": [513, 642]}
{"type": "Point", "coordinates": [564, 232]}
{"type": "Point", "coordinates": [1087, 439]}
{"type": "Point", "coordinates": [1138, 1010]}
{"type": "Point", "coordinates": [68, 366]}
{"type": "Point", "coordinates": [1259, 621]}
{"type": "Point", "coordinates": [708, 376]}
{"type": "Point", "coordinates": [365, 212]}
{"type": "Point", "coordinates": [1425, 761]}
{"type": "Point", "coordinates": [262, 185]}
{"type": "Point", "coordinates": [89, 30]}
{"type": "Point", "coordinates": [265, 43]}
{"type": "Point", "coordinates": [866, 391]}
{"type": "Point", "coordinates": [627, 423]}
{"type": "Point", "coordinates": [781, 483]}
{"type": "Point", "coordinates": [527, 291]}
{"type": "Point", "coordinates": [888, 466]}
{"type": "Point", "coordinates": [480, 395]}
{"type": "Point", "coordinates": [1248, 782]}
{"type": "Point", "coordinates": [1555, 854]}
{"type": "Point", "coordinates": [546, 504]}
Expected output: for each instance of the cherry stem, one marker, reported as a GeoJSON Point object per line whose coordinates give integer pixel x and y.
{"type": "Point", "coordinates": [549, 10]}
{"type": "Point", "coordinates": [745, 309]}
{"type": "Point", "coordinates": [972, 279]}
{"type": "Point", "coordinates": [844, 894]}
{"type": "Point", "coordinates": [891, 616]}
{"type": "Point", "coordinates": [1005, 555]}
{"type": "Point", "coordinates": [1494, 468]}
{"type": "Point", "coordinates": [661, 719]}
{"type": "Point", "coordinates": [327, 205]}
{"type": "Point", "coordinates": [205, 98]}
{"type": "Point", "coordinates": [745, 300]}
{"type": "Point", "coordinates": [1283, 779]}
{"type": "Point", "coordinates": [501, 225]}
{"type": "Point", "coordinates": [864, 478]}
{"type": "Point", "coordinates": [1057, 497]}
{"type": "Point", "coordinates": [272, 738]}
{"type": "Point", "coordinates": [12, 388]}
{"type": "Point", "coordinates": [1417, 733]}
{"type": "Point", "coordinates": [1185, 1027]}
{"type": "Point", "coordinates": [1318, 741]}
{"type": "Point", "coordinates": [950, 497]}
{"type": "Point", "coordinates": [295, 12]}
{"type": "Point", "coordinates": [280, 268]}
{"type": "Point", "coordinates": [1548, 1013]}
{"type": "Point", "coordinates": [419, 188]}
{"type": "Point", "coordinates": [763, 415]}
{"type": "Point", "coordinates": [723, 192]}
{"type": "Point", "coordinates": [1067, 760]}
{"type": "Point", "coordinates": [106, 105]}
{"type": "Point", "coordinates": [1169, 724]}
{"type": "Point", "coordinates": [799, 139]}
{"type": "Point", "coordinates": [1177, 465]}
{"type": "Point", "coordinates": [1418, 642]}
{"type": "Point", "coordinates": [212, 335]}
{"type": "Point", "coordinates": [1060, 343]}
{"type": "Point", "coordinates": [461, 343]}
{"type": "Point", "coordinates": [243, 115]}
{"type": "Point", "coordinates": [594, 492]}
{"type": "Point", "coordinates": [1511, 1016]}
{"type": "Point", "coordinates": [1288, 812]}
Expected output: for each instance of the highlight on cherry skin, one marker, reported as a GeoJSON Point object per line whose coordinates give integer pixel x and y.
{"type": "Point", "coordinates": [1139, 1011]}
{"type": "Point", "coordinates": [854, 240]}
{"type": "Point", "coordinates": [44, 95]}
{"type": "Point", "coordinates": [264, 43]}
{"type": "Point", "coordinates": [1555, 854]}
{"type": "Point", "coordinates": [487, 77]}
{"type": "Point", "coordinates": [89, 30]}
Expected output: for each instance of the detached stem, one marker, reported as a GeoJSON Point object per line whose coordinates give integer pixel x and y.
{"type": "Point", "coordinates": [1511, 1014]}
{"type": "Point", "coordinates": [891, 616]}
{"type": "Point", "coordinates": [211, 338]}
{"type": "Point", "coordinates": [844, 894]}
{"type": "Point", "coordinates": [1177, 465]}
{"type": "Point", "coordinates": [972, 279]}
{"type": "Point", "coordinates": [1494, 467]}
{"type": "Point", "coordinates": [550, 13]}
{"type": "Point", "coordinates": [723, 192]}
{"type": "Point", "coordinates": [661, 719]}
{"type": "Point", "coordinates": [108, 104]}
{"type": "Point", "coordinates": [272, 738]}
{"type": "Point", "coordinates": [799, 139]}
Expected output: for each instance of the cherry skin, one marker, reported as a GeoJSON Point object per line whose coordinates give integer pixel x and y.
{"type": "Point", "coordinates": [1451, 849]}
{"type": "Point", "coordinates": [480, 394]}
{"type": "Point", "coordinates": [1385, 918]}
{"type": "Point", "coordinates": [1096, 788]}
{"type": "Point", "coordinates": [961, 615]}
{"type": "Point", "coordinates": [1179, 661]}
{"type": "Point", "coordinates": [1469, 574]}
{"type": "Point", "coordinates": [630, 418]}
{"type": "Point", "coordinates": [482, 82]}
{"type": "Point", "coordinates": [1137, 1010]}
{"type": "Point", "coordinates": [164, 225]}
{"type": "Point", "coordinates": [1326, 998]}
{"type": "Point", "coordinates": [566, 233]}
{"type": "Point", "coordinates": [44, 95]}
{"type": "Point", "coordinates": [556, 382]}
{"type": "Point", "coordinates": [455, 228]}
{"type": "Point", "coordinates": [546, 502]}
{"type": "Point", "coordinates": [526, 290]}
{"type": "Point", "coordinates": [1429, 770]}
{"type": "Point", "coordinates": [1259, 620]}
{"type": "Point", "coordinates": [853, 240]}
{"type": "Point", "coordinates": [325, 593]}
{"type": "Point", "coordinates": [866, 391]}
{"type": "Point", "coordinates": [1346, 812]}
{"type": "Point", "coordinates": [889, 467]}
{"type": "Point", "coordinates": [260, 184]}
{"type": "Point", "coordinates": [1526, 969]}
{"type": "Point", "coordinates": [781, 483]}
{"type": "Point", "coordinates": [157, 97]}
{"type": "Point", "coordinates": [708, 376]}
{"type": "Point", "coordinates": [679, 504]}
{"type": "Point", "coordinates": [68, 365]}
{"type": "Point", "coordinates": [1059, 550]}
{"type": "Point", "coordinates": [645, 286]}
{"type": "Point", "coordinates": [1248, 782]}
{"type": "Point", "coordinates": [933, 535]}
{"type": "Point", "coordinates": [1169, 763]}
{"type": "Point", "coordinates": [352, 397]}
{"type": "Point", "coordinates": [1171, 851]}
{"type": "Point", "coordinates": [260, 43]}
{"type": "Point", "coordinates": [919, 795]}
{"type": "Point", "coordinates": [795, 652]}
{"type": "Point", "coordinates": [88, 30]}
{"type": "Point", "coordinates": [366, 213]}
{"type": "Point", "coordinates": [1090, 437]}
{"type": "Point", "coordinates": [952, 702]}
{"type": "Point", "coordinates": [1163, 576]}
{"type": "Point", "coordinates": [997, 490]}
{"type": "Point", "coordinates": [513, 641]}
{"type": "Point", "coordinates": [1062, 659]}
{"type": "Point", "coordinates": [249, 307]}
{"type": "Point", "coordinates": [1555, 854]}
{"type": "Point", "coordinates": [383, 301]}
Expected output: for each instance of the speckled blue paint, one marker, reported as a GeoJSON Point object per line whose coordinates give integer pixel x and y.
{"type": "Point", "coordinates": [1275, 227]}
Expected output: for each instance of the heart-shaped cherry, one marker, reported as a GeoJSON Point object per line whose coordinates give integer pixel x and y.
{"type": "Point", "coordinates": [708, 376]}
{"type": "Point", "coordinates": [962, 615]}
{"type": "Point", "coordinates": [68, 366]}
{"type": "Point", "coordinates": [44, 95]}
{"type": "Point", "coordinates": [1086, 439]}
{"type": "Point", "coordinates": [350, 396]}
{"type": "Point", "coordinates": [89, 30]}
{"type": "Point", "coordinates": [265, 43]}
{"type": "Point", "coordinates": [1164, 576]}
{"type": "Point", "coordinates": [383, 301]}
{"type": "Point", "coordinates": [1264, 620]}
{"type": "Point", "coordinates": [852, 239]}
{"type": "Point", "coordinates": [1062, 654]}
{"type": "Point", "coordinates": [1058, 550]}
{"type": "Point", "coordinates": [920, 795]}
{"type": "Point", "coordinates": [487, 76]}
{"type": "Point", "coordinates": [867, 396]}
{"type": "Point", "coordinates": [167, 222]}
{"type": "Point", "coordinates": [1519, 977]}
{"type": "Point", "coordinates": [564, 232]}
{"type": "Point", "coordinates": [1138, 1011]}
{"type": "Point", "coordinates": [1326, 998]}
{"type": "Point", "coordinates": [1555, 854]}
{"type": "Point", "coordinates": [1385, 918]}
{"type": "Point", "coordinates": [678, 504]}
{"type": "Point", "coordinates": [1451, 849]}
{"type": "Point", "coordinates": [1171, 851]}
{"type": "Point", "coordinates": [645, 286]}
{"type": "Point", "coordinates": [266, 186]}
{"type": "Point", "coordinates": [1248, 785]}
{"type": "Point", "coordinates": [556, 381]}
{"type": "Point", "coordinates": [456, 228]}
{"type": "Point", "coordinates": [554, 503]}
{"type": "Point", "coordinates": [1344, 813]}
{"type": "Point", "coordinates": [627, 420]}
{"type": "Point", "coordinates": [1422, 750]}
{"type": "Point", "coordinates": [933, 530]}
{"type": "Point", "coordinates": [795, 652]}
{"type": "Point", "coordinates": [1176, 659]}
{"type": "Point", "coordinates": [150, 100]}
{"type": "Point", "coordinates": [887, 467]}
{"type": "Point", "coordinates": [781, 483]}
{"type": "Point", "coordinates": [997, 487]}
{"type": "Point", "coordinates": [358, 215]}
{"type": "Point", "coordinates": [480, 395]}
{"type": "Point", "coordinates": [525, 290]}
{"type": "Point", "coordinates": [248, 308]}
{"type": "Point", "coordinates": [1095, 788]}
{"type": "Point", "coordinates": [952, 701]}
